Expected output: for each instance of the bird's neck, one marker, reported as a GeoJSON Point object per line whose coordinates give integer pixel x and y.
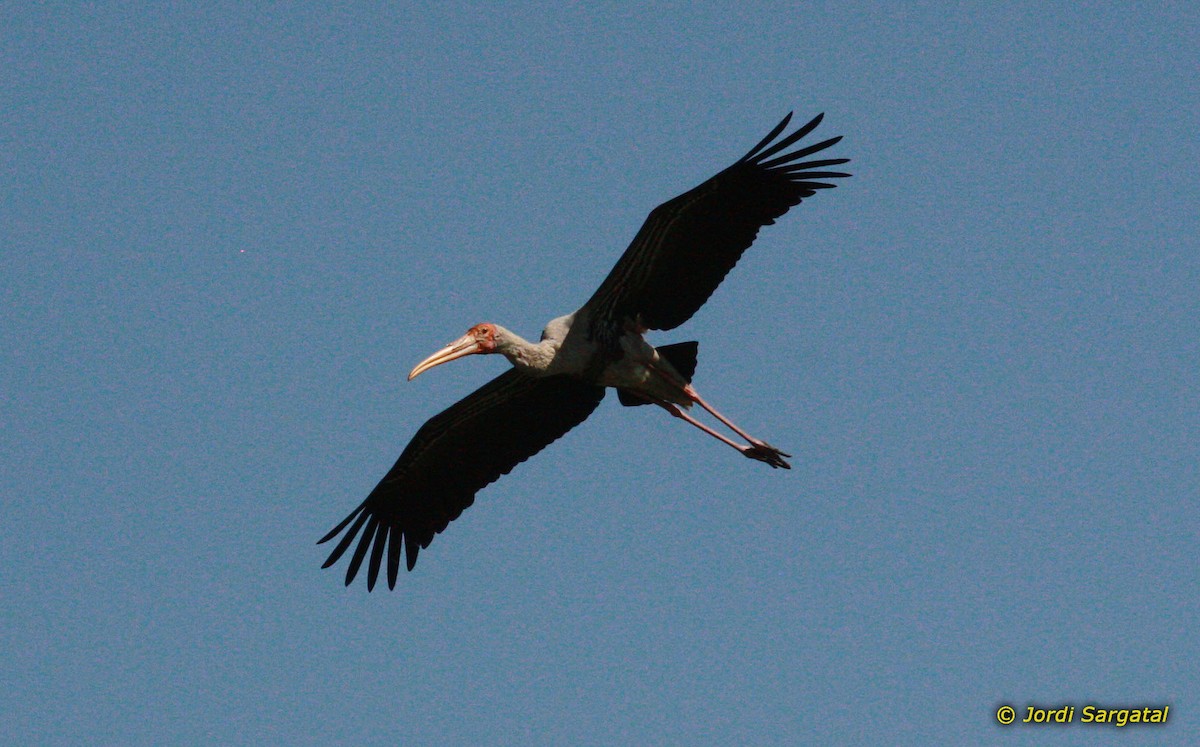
{"type": "Point", "coordinates": [531, 357]}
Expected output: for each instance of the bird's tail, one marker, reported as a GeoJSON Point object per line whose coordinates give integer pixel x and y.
{"type": "Point", "coordinates": [681, 356]}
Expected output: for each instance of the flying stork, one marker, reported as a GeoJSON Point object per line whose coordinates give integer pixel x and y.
{"type": "Point", "coordinates": [678, 258]}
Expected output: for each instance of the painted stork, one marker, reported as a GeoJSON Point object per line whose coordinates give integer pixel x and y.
{"type": "Point", "coordinates": [678, 258]}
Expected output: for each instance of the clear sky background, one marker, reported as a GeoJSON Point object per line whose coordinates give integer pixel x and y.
{"type": "Point", "coordinates": [227, 234]}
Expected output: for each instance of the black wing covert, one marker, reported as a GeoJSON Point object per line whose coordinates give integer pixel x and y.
{"type": "Point", "coordinates": [453, 456]}
{"type": "Point", "coordinates": [687, 245]}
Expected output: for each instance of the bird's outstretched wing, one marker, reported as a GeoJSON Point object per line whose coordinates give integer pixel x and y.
{"type": "Point", "coordinates": [453, 456]}
{"type": "Point", "coordinates": [687, 245]}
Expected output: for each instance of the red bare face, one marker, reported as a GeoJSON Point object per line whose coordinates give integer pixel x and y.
{"type": "Point", "coordinates": [485, 336]}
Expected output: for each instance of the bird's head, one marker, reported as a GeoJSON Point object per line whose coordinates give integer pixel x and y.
{"type": "Point", "coordinates": [480, 339]}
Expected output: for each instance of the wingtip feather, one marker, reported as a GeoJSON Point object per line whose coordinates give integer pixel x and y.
{"type": "Point", "coordinates": [788, 141]}
{"type": "Point", "coordinates": [381, 536]}
{"type": "Point", "coordinates": [351, 533]}
{"type": "Point", "coordinates": [360, 551]}
{"type": "Point", "coordinates": [342, 524]}
{"type": "Point", "coordinates": [410, 552]}
{"type": "Point", "coordinates": [770, 136]}
{"type": "Point", "coordinates": [393, 569]}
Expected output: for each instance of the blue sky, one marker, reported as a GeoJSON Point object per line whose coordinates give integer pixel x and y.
{"type": "Point", "coordinates": [226, 235]}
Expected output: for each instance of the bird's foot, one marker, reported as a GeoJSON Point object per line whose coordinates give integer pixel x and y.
{"type": "Point", "coordinates": [765, 452]}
